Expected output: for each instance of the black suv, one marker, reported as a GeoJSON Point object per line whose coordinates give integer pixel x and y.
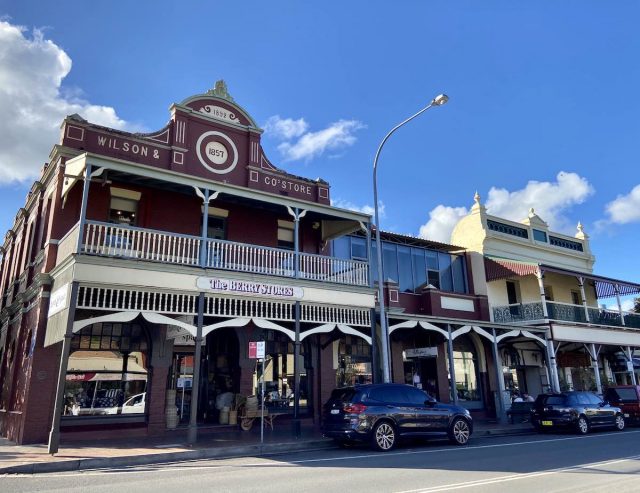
{"type": "Point", "coordinates": [381, 413]}
{"type": "Point", "coordinates": [581, 411]}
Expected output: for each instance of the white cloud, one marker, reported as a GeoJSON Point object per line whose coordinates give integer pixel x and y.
{"type": "Point", "coordinates": [442, 220]}
{"type": "Point", "coordinates": [625, 208]}
{"type": "Point", "coordinates": [32, 103]}
{"type": "Point", "coordinates": [285, 128]}
{"type": "Point", "coordinates": [550, 200]}
{"type": "Point", "coordinates": [308, 145]}
{"type": "Point", "coordinates": [367, 209]}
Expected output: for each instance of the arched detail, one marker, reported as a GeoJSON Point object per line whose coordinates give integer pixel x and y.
{"type": "Point", "coordinates": [321, 329]}
{"type": "Point", "coordinates": [408, 324]}
{"type": "Point", "coordinates": [511, 333]}
{"type": "Point", "coordinates": [233, 322]}
{"type": "Point", "coordinates": [156, 318]}
{"type": "Point", "coordinates": [350, 330]}
{"type": "Point", "coordinates": [483, 333]}
{"type": "Point", "coordinates": [112, 317]}
{"type": "Point", "coordinates": [460, 331]}
{"type": "Point", "coordinates": [528, 334]}
{"type": "Point", "coordinates": [266, 324]}
{"type": "Point", "coordinates": [429, 326]}
{"type": "Point", "coordinates": [326, 328]}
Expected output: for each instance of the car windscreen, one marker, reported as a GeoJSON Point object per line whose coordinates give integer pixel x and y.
{"type": "Point", "coordinates": [621, 395]}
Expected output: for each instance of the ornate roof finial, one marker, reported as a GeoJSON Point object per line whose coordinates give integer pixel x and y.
{"type": "Point", "coordinates": [220, 90]}
{"type": "Point", "coordinates": [476, 198]}
{"type": "Point", "coordinates": [580, 227]}
{"type": "Point", "coordinates": [531, 212]}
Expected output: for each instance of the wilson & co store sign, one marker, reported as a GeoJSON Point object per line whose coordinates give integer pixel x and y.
{"type": "Point", "coordinates": [248, 288]}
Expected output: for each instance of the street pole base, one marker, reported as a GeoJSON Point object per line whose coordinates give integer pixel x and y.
{"type": "Point", "coordinates": [192, 434]}
{"type": "Point", "coordinates": [296, 430]}
{"type": "Point", "coordinates": [54, 442]}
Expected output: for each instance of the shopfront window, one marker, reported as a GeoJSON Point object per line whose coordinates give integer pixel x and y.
{"type": "Point", "coordinates": [465, 362]}
{"type": "Point", "coordinates": [107, 371]}
{"type": "Point", "coordinates": [354, 362]}
{"type": "Point", "coordinates": [279, 373]}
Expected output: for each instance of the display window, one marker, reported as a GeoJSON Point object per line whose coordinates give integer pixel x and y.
{"type": "Point", "coordinates": [354, 362]}
{"type": "Point", "coordinates": [465, 360]}
{"type": "Point", "coordinates": [107, 373]}
{"type": "Point", "coordinates": [278, 376]}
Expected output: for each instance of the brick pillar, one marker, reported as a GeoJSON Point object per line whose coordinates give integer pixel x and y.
{"type": "Point", "coordinates": [397, 364]}
{"type": "Point", "coordinates": [443, 375]}
{"type": "Point", "coordinates": [327, 370]}
{"type": "Point", "coordinates": [156, 395]}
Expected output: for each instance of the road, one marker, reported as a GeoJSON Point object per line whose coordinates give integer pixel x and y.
{"type": "Point", "coordinates": [601, 461]}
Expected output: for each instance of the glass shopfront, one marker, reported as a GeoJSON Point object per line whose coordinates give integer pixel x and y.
{"type": "Point", "coordinates": [465, 360]}
{"type": "Point", "coordinates": [354, 361]}
{"type": "Point", "coordinates": [279, 374]}
{"type": "Point", "coordinates": [107, 372]}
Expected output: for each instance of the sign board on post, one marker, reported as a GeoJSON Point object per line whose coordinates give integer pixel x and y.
{"type": "Point", "coordinates": [256, 349]}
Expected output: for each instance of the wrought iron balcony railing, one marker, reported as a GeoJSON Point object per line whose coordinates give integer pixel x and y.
{"type": "Point", "coordinates": [526, 312]}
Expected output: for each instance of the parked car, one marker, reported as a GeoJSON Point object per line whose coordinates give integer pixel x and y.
{"type": "Point", "coordinates": [383, 413]}
{"type": "Point", "coordinates": [580, 411]}
{"type": "Point", "coordinates": [627, 398]}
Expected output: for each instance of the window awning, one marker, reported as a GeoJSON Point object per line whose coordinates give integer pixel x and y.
{"type": "Point", "coordinates": [497, 268]}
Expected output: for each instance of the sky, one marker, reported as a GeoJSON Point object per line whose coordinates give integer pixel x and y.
{"type": "Point", "coordinates": [543, 109]}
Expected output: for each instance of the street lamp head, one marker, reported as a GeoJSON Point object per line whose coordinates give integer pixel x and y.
{"type": "Point", "coordinates": [440, 100]}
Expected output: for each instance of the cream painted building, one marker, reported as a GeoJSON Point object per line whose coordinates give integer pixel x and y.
{"type": "Point", "coordinates": [539, 277]}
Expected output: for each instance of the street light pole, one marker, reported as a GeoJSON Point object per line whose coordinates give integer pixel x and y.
{"type": "Point", "coordinates": [384, 335]}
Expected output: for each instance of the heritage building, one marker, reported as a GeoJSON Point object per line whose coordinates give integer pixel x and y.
{"type": "Point", "coordinates": [536, 277]}
{"type": "Point", "coordinates": [143, 265]}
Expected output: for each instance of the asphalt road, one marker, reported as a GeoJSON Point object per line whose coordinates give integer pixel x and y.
{"type": "Point", "coordinates": [601, 461]}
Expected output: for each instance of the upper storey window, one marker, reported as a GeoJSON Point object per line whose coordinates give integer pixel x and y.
{"type": "Point", "coordinates": [285, 234]}
{"type": "Point", "coordinates": [123, 208]}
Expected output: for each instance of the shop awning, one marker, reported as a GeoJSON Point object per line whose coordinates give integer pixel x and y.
{"type": "Point", "coordinates": [497, 268]}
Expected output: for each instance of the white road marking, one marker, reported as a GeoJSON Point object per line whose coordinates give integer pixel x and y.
{"type": "Point", "coordinates": [173, 466]}
{"type": "Point", "coordinates": [516, 477]}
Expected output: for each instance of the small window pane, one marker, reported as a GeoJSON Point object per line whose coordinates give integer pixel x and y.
{"type": "Point", "coordinates": [359, 248]}
{"type": "Point", "coordinates": [341, 248]}
{"type": "Point", "coordinates": [539, 235]}
{"type": "Point", "coordinates": [446, 279]}
{"type": "Point", "coordinates": [419, 269]}
{"type": "Point", "coordinates": [389, 262]}
{"type": "Point", "coordinates": [405, 271]}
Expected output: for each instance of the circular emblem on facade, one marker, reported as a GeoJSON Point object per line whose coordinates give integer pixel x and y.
{"type": "Point", "coordinates": [217, 152]}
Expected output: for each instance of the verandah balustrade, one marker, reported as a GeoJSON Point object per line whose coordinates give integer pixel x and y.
{"type": "Point", "coordinates": [114, 240]}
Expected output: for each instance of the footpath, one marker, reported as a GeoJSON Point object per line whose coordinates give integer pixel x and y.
{"type": "Point", "coordinates": [213, 443]}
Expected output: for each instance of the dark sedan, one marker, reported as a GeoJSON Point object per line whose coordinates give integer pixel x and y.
{"type": "Point", "coordinates": [580, 411]}
{"type": "Point", "coordinates": [382, 413]}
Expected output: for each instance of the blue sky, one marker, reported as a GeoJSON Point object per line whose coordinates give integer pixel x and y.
{"type": "Point", "coordinates": [543, 108]}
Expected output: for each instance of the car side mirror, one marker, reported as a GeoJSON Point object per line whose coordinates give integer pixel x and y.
{"type": "Point", "coordinates": [430, 402]}
{"type": "Point", "coordinates": [604, 403]}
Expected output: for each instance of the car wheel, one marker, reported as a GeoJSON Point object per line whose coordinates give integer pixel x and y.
{"type": "Point", "coordinates": [582, 426]}
{"type": "Point", "coordinates": [619, 422]}
{"type": "Point", "coordinates": [384, 436]}
{"type": "Point", "coordinates": [460, 431]}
